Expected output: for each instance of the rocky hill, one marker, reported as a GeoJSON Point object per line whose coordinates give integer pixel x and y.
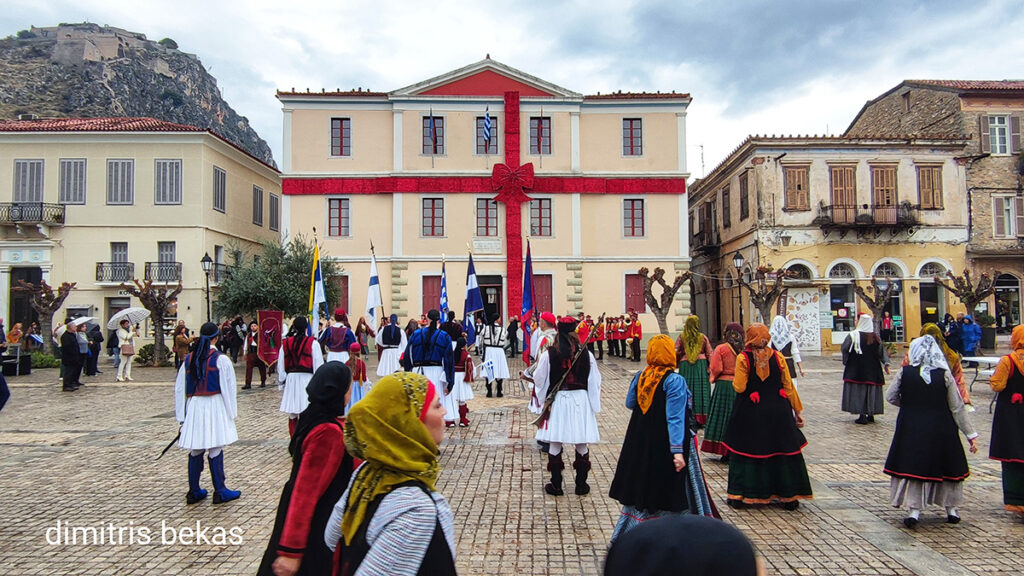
{"type": "Point", "coordinates": [87, 70]}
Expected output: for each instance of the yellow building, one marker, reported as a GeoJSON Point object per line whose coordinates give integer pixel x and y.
{"type": "Point", "coordinates": [831, 210]}
{"type": "Point", "coordinates": [596, 183]}
{"type": "Point", "coordinates": [101, 201]}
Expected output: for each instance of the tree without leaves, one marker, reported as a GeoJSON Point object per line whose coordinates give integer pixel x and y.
{"type": "Point", "coordinates": [660, 306]}
{"type": "Point", "coordinates": [969, 292]}
{"type": "Point", "coordinates": [46, 302]}
{"type": "Point", "coordinates": [278, 279]}
{"type": "Point", "coordinates": [158, 300]}
{"type": "Point", "coordinates": [881, 298]}
{"type": "Point", "coordinates": [765, 291]}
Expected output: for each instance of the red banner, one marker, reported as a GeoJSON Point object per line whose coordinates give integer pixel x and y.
{"type": "Point", "coordinates": [269, 343]}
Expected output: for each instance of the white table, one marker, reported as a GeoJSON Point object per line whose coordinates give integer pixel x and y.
{"type": "Point", "coordinates": [990, 362]}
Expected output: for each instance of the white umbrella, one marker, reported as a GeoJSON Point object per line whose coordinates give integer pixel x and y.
{"type": "Point", "coordinates": [133, 315]}
{"type": "Point", "coordinates": [77, 322]}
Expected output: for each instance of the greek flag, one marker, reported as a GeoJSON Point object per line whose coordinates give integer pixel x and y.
{"type": "Point", "coordinates": [487, 129]}
{"type": "Point", "coordinates": [474, 300]}
{"type": "Point", "coordinates": [433, 133]}
{"type": "Point", "coordinates": [317, 294]}
{"type": "Point", "coordinates": [373, 297]}
{"type": "Point", "coordinates": [444, 293]}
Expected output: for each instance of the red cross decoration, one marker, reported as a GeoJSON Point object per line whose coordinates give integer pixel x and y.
{"type": "Point", "coordinates": [511, 181]}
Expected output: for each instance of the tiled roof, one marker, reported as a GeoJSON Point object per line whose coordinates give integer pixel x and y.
{"type": "Point", "coordinates": [982, 85]}
{"type": "Point", "coordinates": [95, 125]}
{"type": "Point", "coordinates": [333, 94]}
{"type": "Point", "coordinates": [637, 96]}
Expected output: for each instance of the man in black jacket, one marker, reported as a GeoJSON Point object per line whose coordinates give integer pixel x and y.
{"type": "Point", "coordinates": [71, 357]}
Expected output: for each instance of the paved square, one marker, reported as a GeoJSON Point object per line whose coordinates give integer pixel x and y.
{"type": "Point", "coordinates": [87, 460]}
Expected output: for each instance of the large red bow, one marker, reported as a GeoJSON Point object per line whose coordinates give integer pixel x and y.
{"type": "Point", "coordinates": [504, 177]}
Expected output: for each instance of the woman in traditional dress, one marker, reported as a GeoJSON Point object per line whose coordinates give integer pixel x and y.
{"type": "Point", "coordinates": [952, 359]}
{"type": "Point", "coordinates": [568, 373]}
{"type": "Point", "coordinates": [1008, 422]}
{"type": "Point", "coordinates": [360, 383]}
{"type": "Point", "coordinates": [659, 470]}
{"type": "Point", "coordinates": [926, 460]}
{"type": "Point", "coordinates": [391, 520]}
{"type": "Point", "coordinates": [764, 437]}
{"type": "Point", "coordinates": [784, 343]}
{"type": "Point", "coordinates": [393, 341]}
{"type": "Point", "coordinates": [723, 367]}
{"type": "Point", "coordinates": [461, 391]}
{"type": "Point", "coordinates": [865, 358]}
{"type": "Point", "coordinates": [321, 470]}
{"type": "Point", "coordinates": [693, 350]}
{"type": "Point", "coordinates": [299, 358]}
{"type": "Point", "coordinates": [363, 334]}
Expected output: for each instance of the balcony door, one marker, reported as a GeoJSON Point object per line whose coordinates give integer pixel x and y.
{"type": "Point", "coordinates": [167, 270]}
{"type": "Point", "coordinates": [844, 194]}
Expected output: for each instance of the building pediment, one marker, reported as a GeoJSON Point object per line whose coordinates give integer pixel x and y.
{"type": "Point", "coordinates": [486, 78]}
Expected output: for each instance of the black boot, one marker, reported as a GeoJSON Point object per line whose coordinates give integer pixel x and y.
{"type": "Point", "coordinates": [555, 466]}
{"type": "Point", "coordinates": [489, 393]}
{"type": "Point", "coordinates": [499, 388]}
{"type": "Point", "coordinates": [582, 466]}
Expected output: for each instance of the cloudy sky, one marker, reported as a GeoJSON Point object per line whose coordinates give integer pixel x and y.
{"type": "Point", "coordinates": [752, 66]}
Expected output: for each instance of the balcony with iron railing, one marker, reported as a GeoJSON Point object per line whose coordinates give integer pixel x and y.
{"type": "Point", "coordinates": [14, 213]}
{"type": "Point", "coordinates": [865, 217]}
{"type": "Point", "coordinates": [115, 272]}
{"type": "Point", "coordinates": [706, 241]}
{"type": "Point", "coordinates": [163, 271]}
{"type": "Point", "coordinates": [219, 273]}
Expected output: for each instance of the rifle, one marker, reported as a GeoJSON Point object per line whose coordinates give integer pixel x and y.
{"type": "Point", "coordinates": [549, 400]}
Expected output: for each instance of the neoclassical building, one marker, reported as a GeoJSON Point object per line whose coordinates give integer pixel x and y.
{"type": "Point", "coordinates": [596, 183]}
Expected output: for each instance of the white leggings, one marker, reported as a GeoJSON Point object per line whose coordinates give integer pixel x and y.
{"type": "Point", "coordinates": [556, 448]}
{"type": "Point", "coordinates": [214, 452]}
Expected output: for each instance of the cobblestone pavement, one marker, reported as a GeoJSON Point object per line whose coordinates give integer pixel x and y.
{"type": "Point", "coordinates": [87, 460]}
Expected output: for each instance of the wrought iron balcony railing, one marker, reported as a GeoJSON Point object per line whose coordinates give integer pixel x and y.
{"type": "Point", "coordinates": [115, 271]}
{"type": "Point", "coordinates": [31, 213]}
{"type": "Point", "coordinates": [163, 271]}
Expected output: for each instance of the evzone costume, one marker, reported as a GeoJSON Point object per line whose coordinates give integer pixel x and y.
{"type": "Point", "coordinates": [570, 376]}
{"type": "Point", "coordinates": [360, 384]}
{"type": "Point", "coordinates": [452, 328]}
{"type": "Point", "coordinates": [461, 390]}
{"type": "Point", "coordinates": [539, 342]}
{"type": "Point", "coordinates": [1008, 422]}
{"type": "Point", "coordinates": [338, 338]}
{"type": "Point", "coordinates": [298, 359]}
{"type": "Point", "coordinates": [495, 366]}
{"type": "Point", "coordinates": [393, 342]}
{"type": "Point", "coordinates": [205, 405]}
{"type": "Point", "coordinates": [430, 353]}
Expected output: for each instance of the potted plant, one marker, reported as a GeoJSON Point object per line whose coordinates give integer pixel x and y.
{"type": "Point", "coordinates": [988, 330]}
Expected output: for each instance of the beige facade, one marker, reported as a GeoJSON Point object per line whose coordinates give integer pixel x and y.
{"type": "Point", "coordinates": [67, 214]}
{"type": "Point", "coordinates": [587, 179]}
{"type": "Point", "coordinates": [795, 219]}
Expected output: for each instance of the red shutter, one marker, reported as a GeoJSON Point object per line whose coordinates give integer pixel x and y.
{"type": "Point", "coordinates": [431, 293]}
{"type": "Point", "coordinates": [542, 292]}
{"type": "Point", "coordinates": [997, 216]}
{"type": "Point", "coordinates": [635, 293]}
{"type": "Point", "coordinates": [1018, 212]}
{"type": "Point", "coordinates": [986, 144]}
{"type": "Point", "coordinates": [1014, 134]}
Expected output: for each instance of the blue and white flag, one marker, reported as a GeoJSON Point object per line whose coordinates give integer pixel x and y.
{"type": "Point", "coordinates": [373, 297]}
{"type": "Point", "coordinates": [433, 133]}
{"type": "Point", "coordinates": [444, 293]}
{"type": "Point", "coordinates": [474, 300]}
{"type": "Point", "coordinates": [317, 294]}
{"type": "Point", "coordinates": [487, 130]}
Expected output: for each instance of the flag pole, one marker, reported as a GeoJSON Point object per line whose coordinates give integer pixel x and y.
{"type": "Point", "coordinates": [373, 255]}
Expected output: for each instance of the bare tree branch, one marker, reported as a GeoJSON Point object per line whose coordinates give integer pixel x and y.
{"type": "Point", "coordinates": [45, 302]}
{"type": "Point", "coordinates": [660, 306]}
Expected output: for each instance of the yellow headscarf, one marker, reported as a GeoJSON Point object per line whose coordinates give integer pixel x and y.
{"type": "Point", "coordinates": [933, 330]}
{"type": "Point", "coordinates": [757, 342]}
{"type": "Point", "coordinates": [692, 339]}
{"type": "Point", "coordinates": [385, 430]}
{"type": "Point", "coordinates": [661, 359]}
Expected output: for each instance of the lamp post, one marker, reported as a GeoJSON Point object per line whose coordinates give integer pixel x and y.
{"type": "Point", "coordinates": [207, 264]}
{"type": "Point", "coordinates": [737, 261]}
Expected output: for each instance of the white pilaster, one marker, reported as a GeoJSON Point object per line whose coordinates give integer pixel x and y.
{"type": "Point", "coordinates": [681, 133]}
{"type": "Point", "coordinates": [398, 162]}
{"type": "Point", "coordinates": [5, 293]}
{"type": "Point", "coordinates": [577, 235]}
{"type": "Point", "coordinates": [286, 215]}
{"type": "Point", "coordinates": [286, 142]}
{"type": "Point", "coordinates": [574, 129]}
{"type": "Point", "coordinates": [396, 223]}
{"type": "Point", "coordinates": [684, 225]}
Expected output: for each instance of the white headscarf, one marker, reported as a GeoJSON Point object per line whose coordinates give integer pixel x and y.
{"type": "Point", "coordinates": [926, 353]}
{"type": "Point", "coordinates": [780, 332]}
{"type": "Point", "coordinates": [865, 325]}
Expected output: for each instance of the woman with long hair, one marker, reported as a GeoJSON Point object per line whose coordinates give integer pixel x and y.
{"type": "Point", "coordinates": [391, 519]}
{"type": "Point", "coordinates": [363, 334]}
{"type": "Point", "coordinates": [1008, 422]}
{"type": "Point", "coordinates": [360, 384]}
{"type": "Point", "coordinates": [864, 359]}
{"type": "Point", "coordinates": [764, 439]}
{"type": "Point", "coordinates": [299, 358]}
{"type": "Point", "coordinates": [693, 349]}
{"type": "Point", "coordinates": [723, 367]}
{"type": "Point", "coordinates": [926, 461]}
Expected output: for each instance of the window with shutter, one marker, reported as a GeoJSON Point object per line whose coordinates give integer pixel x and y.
{"type": "Point", "coordinates": [983, 135]}
{"type": "Point", "coordinates": [1015, 134]}
{"type": "Point", "coordinates": [1018, 212]}
{"type": "Point", "coordinates": [797, 193]}
{"type": "Point", "coordinates": [999, 216]}
{"type": "Point", "coordinates": [929, 187]}
{"type": "Point", "coordinates": [726, 208]}
{"type": "Point", "coordinates": [844, 194]}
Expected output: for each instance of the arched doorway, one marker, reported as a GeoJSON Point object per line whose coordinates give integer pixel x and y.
{"type": "Point", "coordinates": [21, 311]}
{"type": "Point", "coordinates": [801, 305]}
{"type": "Point", "coordinates": [841, 298]}
{"type": "Point", "coordinates": [933, 301]}
{"type": "Point", "coordinates": [1007, 310]}
{"type": "Point", "coordinates": [895, 305]}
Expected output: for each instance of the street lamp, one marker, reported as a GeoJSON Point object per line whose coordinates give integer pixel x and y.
{"type": "Point", "coordinates": [207, 264]}
{"type": "Point", "coordinates": [737, 261]}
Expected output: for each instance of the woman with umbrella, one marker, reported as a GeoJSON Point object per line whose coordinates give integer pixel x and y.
{"type": "Point", "coordinates": [126, 334]}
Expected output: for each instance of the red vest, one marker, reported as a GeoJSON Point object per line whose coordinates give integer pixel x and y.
{"type": "Point", "coordinates": [302, 361]}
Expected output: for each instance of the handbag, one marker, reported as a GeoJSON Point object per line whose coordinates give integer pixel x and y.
{"type": "Point", "coordinates": [127, 350]}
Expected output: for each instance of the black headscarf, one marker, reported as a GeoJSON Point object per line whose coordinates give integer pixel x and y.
{"type": "Point", "coordinates": [197, 367]}
{"type": "Point", "coordinates": [326, 391]}
{"type": "Point", "coordinates": [692, 545]}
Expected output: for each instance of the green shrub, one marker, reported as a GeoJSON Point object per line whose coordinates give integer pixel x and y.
{"type": "Point", "coordinates": [168, 43]}
{"type": "Point", "coordinates": [25, 34]}
{"type": "Point", "coordinates": [44, 360]}
{"type": "Point", "coordinates": [144, 356]}
{"type": "Point", "coordinates": [986, 320]}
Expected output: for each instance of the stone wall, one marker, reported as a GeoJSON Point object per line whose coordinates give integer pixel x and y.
{"type": "Point", "coordinates": [932, 113]}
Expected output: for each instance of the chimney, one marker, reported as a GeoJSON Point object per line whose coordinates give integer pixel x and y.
{"type": "Point", "coordinates": [27, 117]}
